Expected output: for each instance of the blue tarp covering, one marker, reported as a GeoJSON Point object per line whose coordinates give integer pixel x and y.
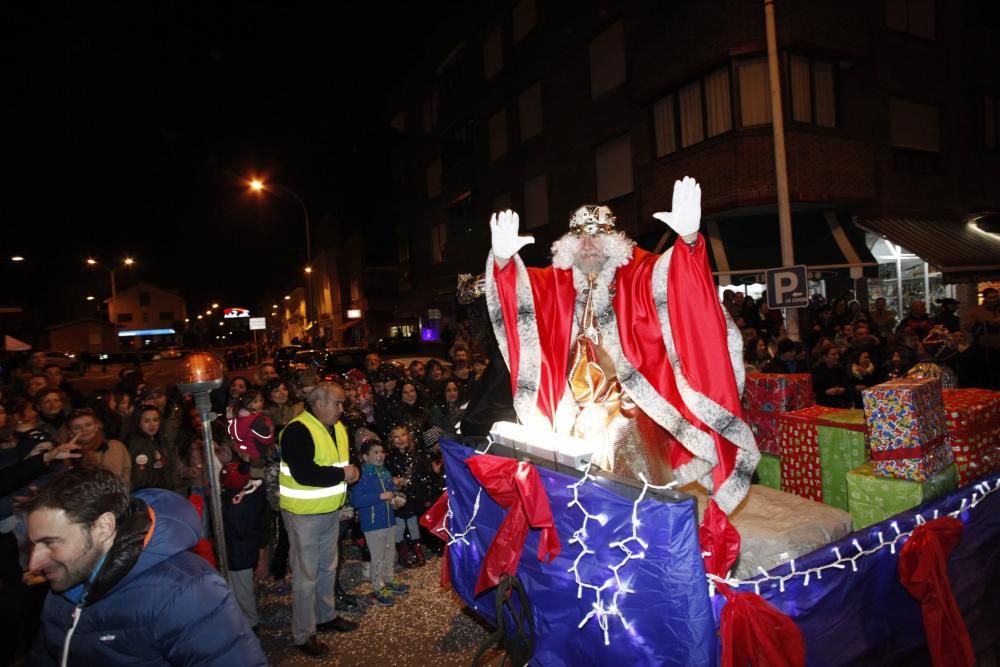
{"type": "Point", "coordinates": [867, 617]}
{"type": "Point", "coordinates": [847, 618]}
{"type": "Point", "coordinates": [670, 613]}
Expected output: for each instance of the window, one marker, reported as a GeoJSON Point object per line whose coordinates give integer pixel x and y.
{"type": "Point", "coordinates": [498, 134]}
{"type": "Point", "coordinates": [813, 95]}
{"type": "Point", "coordinates": [167, 316]}
{"type": "Point", "coordinates": [915, 17]}
{"type": "Point", "coordinates": [536, 203]}
{"type": "Point", "coordinates": [663, 126]}
{"type": "Point", "coordinates": [458, 144]}
{"type": "Point", "coordinates": [989, 112]}
{"type": "Point", "coordinates": [524, 19]}
{"type": "Point", "coordinates": [144, 298]}
{"type": "Point", "coordinates": [124, 317]}
{"type": "Point", "coordinates": [692, 117]}
{"type": "Point", "coordinates": [430, 112]}
{"type": "Point", "coordinates": [718, 108]}
{"type": "Point", "coordinates": [433, 178]}
{"type": "Point", "coordinates": [755, 92]}
{"type": "Point", "coordinates": [460, 216]}
{"type": "Point", "coordinates": [439, 238]}
{"type": "Point", "coordinates": [614, 169]}
{"type": "Point", "coordinates": [492, 54]}
{"type": "Point", "coordinates": [145, 316]}
{"type": "Point", "coordinates": [529, 110]}
{"type": "Point", "coordinates": [607, 60]}
{"type": "Point", "coordinates": [915, 136]}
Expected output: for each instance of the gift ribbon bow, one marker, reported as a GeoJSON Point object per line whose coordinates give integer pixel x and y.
{"type": "Point", "coordinates": [517, 487]}
{"type": "Point", "coordinates": [923, 571]}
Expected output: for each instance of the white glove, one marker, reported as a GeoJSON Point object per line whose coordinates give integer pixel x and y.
{"type": "Point", "coordinates": [506, 242]}
{"type": "Point", "coordinates": [685, 219]}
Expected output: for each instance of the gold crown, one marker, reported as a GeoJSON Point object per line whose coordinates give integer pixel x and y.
{"type": "Point", "coordinates": [591, 220]}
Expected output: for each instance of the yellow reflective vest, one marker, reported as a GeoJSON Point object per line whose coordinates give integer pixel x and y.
{"type": "Point", "coordinates": [301, 499]}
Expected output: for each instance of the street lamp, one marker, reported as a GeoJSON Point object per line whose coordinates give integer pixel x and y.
{"type": "Point", "coordinates": [17, 258]}
{"type": "Point", "coordinates": [127, 261]}
{"type": "Point", "coordinates": [259, 186]}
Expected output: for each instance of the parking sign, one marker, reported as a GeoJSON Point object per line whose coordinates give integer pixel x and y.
{"type": "Point", "coordinates": [787, 287]}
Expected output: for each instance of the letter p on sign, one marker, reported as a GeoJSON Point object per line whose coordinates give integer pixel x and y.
{"type": "Point", "coordinates": [787, 287]}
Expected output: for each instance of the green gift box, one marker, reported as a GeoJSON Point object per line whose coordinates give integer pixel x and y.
{"type": "Point", "coordinates": [841, 450]}
{"type": "Point", "coordinates": [872, 498]}
{"type": "Point", "coordinates": [769, 470]}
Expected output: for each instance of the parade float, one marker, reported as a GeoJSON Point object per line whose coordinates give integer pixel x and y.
{"type": "Point", "coordinates": [614, 571]}
{"type": "Point", "coordinates": [586, 534]}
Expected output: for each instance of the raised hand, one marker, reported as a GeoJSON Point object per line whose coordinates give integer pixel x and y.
{"type": "Point", "coordinates": [685, 218]}
{"type": "Point", "coordinates": [506, 242]}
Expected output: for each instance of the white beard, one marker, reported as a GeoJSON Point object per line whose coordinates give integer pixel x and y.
{"type": "Point", "coordinates": [617, 251]}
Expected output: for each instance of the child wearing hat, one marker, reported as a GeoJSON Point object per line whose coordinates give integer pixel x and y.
{"type": "Point", "coordinates": [242, 505]}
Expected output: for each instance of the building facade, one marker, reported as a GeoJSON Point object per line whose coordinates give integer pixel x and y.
{"type": "Point", "coordinates": [890, 125]}
{"type": "Point", "coordinates": [145, 312]}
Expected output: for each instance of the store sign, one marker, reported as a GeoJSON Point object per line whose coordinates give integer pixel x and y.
{"type": "Point", "coordinates": [787, 287]}
{"type": "Point", "coordinates": [354, 313]}
{"type": "Point", "coordinates": [258, 323]}
{"type": "Point", "coordinates": [230, 313]}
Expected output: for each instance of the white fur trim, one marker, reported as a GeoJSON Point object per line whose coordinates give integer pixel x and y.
{"type": "Point", "coordinates": [530, 366]}
{"type": "Point", "coordinates": [713, 415]}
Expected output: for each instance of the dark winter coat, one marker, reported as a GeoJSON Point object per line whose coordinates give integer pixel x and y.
{"type": "Point", "coordinates": [151, 602]}
{"type": "Point", "coordinates": [241, 520]}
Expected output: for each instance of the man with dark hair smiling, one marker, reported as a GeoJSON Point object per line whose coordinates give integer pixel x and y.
{"type": "Point", "coordinates": [124, 587]}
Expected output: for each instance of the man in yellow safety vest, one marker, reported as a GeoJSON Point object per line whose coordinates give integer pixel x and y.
{"type": "Point", "coordinates": [313, 479]}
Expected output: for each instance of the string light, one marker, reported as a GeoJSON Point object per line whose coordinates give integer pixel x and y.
{"type": "Point", "coordinates": [603, 610]}
{"type": "Point", "coordinates": [980, 492]}
{"type": "Point", "coordinates": [469, 527]}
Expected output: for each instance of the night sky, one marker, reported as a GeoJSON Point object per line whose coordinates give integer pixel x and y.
{"type": "Point", "coordinates": [130, 131]}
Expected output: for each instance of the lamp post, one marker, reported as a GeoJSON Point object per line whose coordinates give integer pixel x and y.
{"type": "Point", "coordinates": [128, 261]}
{"type": "Point", "coordinates": [257, 185]}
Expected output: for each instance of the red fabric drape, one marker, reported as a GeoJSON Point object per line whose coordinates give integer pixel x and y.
{"type": "Point", "coordinates": [719, 539]}
{"type": "Point", "coordinates": [923, 571]}
{"type": "Point", "coordinates": [516, 486]}
{"type": "Point", "coordinates": [755, 632]}
{"type": "Point", "coordinates": [433, 520]}
{"type": "Point", "coordinates": [204, 547]}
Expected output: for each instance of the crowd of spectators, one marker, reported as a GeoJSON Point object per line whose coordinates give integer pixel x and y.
{"type": "Point", "coordinates": [848, 348]}
{"type": "Point", "coordinates": [151, 437]}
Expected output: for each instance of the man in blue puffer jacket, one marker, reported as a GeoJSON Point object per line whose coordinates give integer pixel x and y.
{"type": "Point", "coordinates": [125, 590]}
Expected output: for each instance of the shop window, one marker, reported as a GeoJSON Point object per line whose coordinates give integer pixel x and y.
{"type": "Point", "coordinates": [613, 161]}
{"type": "Point", "coordinates": [536, 202]}
{"type": "Point", "coordinates": [914, 17]}
{"type": "Point", "coordinates": [529, 109]}
{"type": "Point", "coordinates": [607, 60]}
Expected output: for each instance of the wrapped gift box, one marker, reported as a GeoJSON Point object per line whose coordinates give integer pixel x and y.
{"type": "Point", "coordinates": [906, 427]}
{"type": "Point", "coordinates": [842, 447]}
{"type": "Point", "coordinates": [769, 471]}
{"type": "Point", "coordinates": [972, 419]}
{"type": "Point", "coordinates": [873, 498]}
{"type": "Point", "coordinates": [767, 393]}
{"type": "Point", "coordinates": [799, 445]}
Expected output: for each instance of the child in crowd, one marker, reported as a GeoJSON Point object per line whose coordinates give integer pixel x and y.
{"type": "Point", "coordinates": [150, 466]}
{"type": "Point", "coordinates": [242, 505]}
{"type": "Point", "coordinates": [374, 498]}
{"type": "Point", "coordinates": [410, 474]}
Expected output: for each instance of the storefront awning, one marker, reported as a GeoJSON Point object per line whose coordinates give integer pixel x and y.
{"type": "Point", "coordinates": [952, 246]}
{"type": "Point", "coordinates": [749, 245]}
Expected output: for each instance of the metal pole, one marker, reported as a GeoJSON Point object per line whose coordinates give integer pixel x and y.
{"type": "Point", "coordinates": [204, 405]}
{"type": "Point", "coordinates": [927, 287]}
{"type": "Point", "coordinates": [780, 161]}
{"type": "Point", "coordinates": [899, 283]}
